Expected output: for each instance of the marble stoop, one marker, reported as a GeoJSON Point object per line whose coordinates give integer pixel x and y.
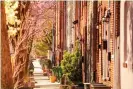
{"type": "Point", "coordinates": [44, 82]}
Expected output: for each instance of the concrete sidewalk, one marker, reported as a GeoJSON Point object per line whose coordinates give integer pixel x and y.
{"type": "Point", "coordinates": [42, 81]}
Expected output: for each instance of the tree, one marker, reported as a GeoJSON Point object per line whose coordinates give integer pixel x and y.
{"type": "Point", "coordinates": [31, 17]}
{"type": "Point", "coordinates": [43, 42]}
{"type": "Point", "coordinates": [42, 45]}
{"type": "Point", "coordinates": [25, 20]}
{"type": "Point", "coordinates": [21, 36]}
{"type": "Point", "coordinates": [7, 80]}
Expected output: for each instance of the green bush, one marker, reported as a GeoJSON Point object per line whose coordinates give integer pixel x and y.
{"type": "Point", "coordinates": [46, 62]}
{"type": "Point", "coordinates": [57, 71]}
{"type": "Point", "coordinates": [71, 65]}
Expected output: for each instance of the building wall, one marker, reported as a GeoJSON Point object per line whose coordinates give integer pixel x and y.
{"type": "Point", "coordinates": [73, 29]}
{"type": "Point", "coordinates": [60, 30]}
{"type": "Point", "coordinates": [57, 33]}
{"type": "Point", "coordinates": [83, 32]}
{"type": "Point", "coordinates": [91, 31]}
{"type": "Point", "coordinates": [116, 41]}
{"type": "Point", "coordinates": [70, 31]}
{"type": "Point", "coordinates": [90, 49]}
{"type": "Point", "coordinates": [88, 56]}
{"type": "Point", "coordinates": [105, 67]}
{"type": "Point", "coordinates": [126, 44]}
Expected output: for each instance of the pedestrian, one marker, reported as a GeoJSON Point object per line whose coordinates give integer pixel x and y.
{"type": "Point", "coordinates": [31, 68]}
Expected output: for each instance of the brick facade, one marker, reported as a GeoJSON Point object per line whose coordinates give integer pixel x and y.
{"type": "Point", "coordinates": [60, 30]}
{"type": "Point", "coordinates": [104, 66]}
{"type": "Point", "coordinates": [106, 31]}
{"type": "Point", "coordinates": [96, 35]}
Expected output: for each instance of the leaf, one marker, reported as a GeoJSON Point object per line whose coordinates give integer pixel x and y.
{"type": "Point", "coordinates": [12, 31]}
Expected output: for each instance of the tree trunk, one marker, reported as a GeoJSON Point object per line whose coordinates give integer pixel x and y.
{"type": "Point", "coordinates": [21, 52]}
{"type": "Point", "coordinates": [20, 64]}
{"type": "Point", "coordinates": [7, 80]}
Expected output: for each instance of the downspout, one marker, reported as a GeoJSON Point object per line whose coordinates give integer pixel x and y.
{"type": "Point", "coordinates": [88, 48]}
{"type": "Point", "coordinates": [53, 44]}
{"type": "Point", "coordinates": [54, 37]}
{"type": "Point", "coordinates": [91, 44]}
{"type": "Point", "coordinates": [114, 85]}
{"type": "Point", "coordinates": [108, 75]}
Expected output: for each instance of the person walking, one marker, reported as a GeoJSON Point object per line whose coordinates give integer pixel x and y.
{"type": "Point", "coordinates": [31, 68]}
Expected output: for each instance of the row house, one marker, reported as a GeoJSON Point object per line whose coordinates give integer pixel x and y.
{"type": "Point", "coordinates": [114, 63]}
{"type": "Point", "coordinates": [60, 32]}
{"type": "Point", "coordinates": [72, 25]}
{"type": "Point", "coordinates": [105, 32]}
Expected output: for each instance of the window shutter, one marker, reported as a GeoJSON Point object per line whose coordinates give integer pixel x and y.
{"type": "Point", "coordinates": [104, 44]}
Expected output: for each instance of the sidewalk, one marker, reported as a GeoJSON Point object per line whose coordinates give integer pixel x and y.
{"type": "Point", "coordinates": [42, 81]}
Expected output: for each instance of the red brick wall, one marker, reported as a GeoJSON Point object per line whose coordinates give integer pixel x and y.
{"type": "Point", "coordinates": [99, 62]}
{"type": "Point", "coordinates": [98, 37]}
{"type": "Point", "coordinates": [60, 29]}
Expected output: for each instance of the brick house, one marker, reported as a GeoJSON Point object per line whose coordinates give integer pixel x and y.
{"type": "Point", "coordinates": [100, 27]}
{"type": "Point", "coordinates": [108, 30]}
{"type": "Point", "coordinates": [70, 27]}
{"type": "Point", "coordinates": [60, 32]}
